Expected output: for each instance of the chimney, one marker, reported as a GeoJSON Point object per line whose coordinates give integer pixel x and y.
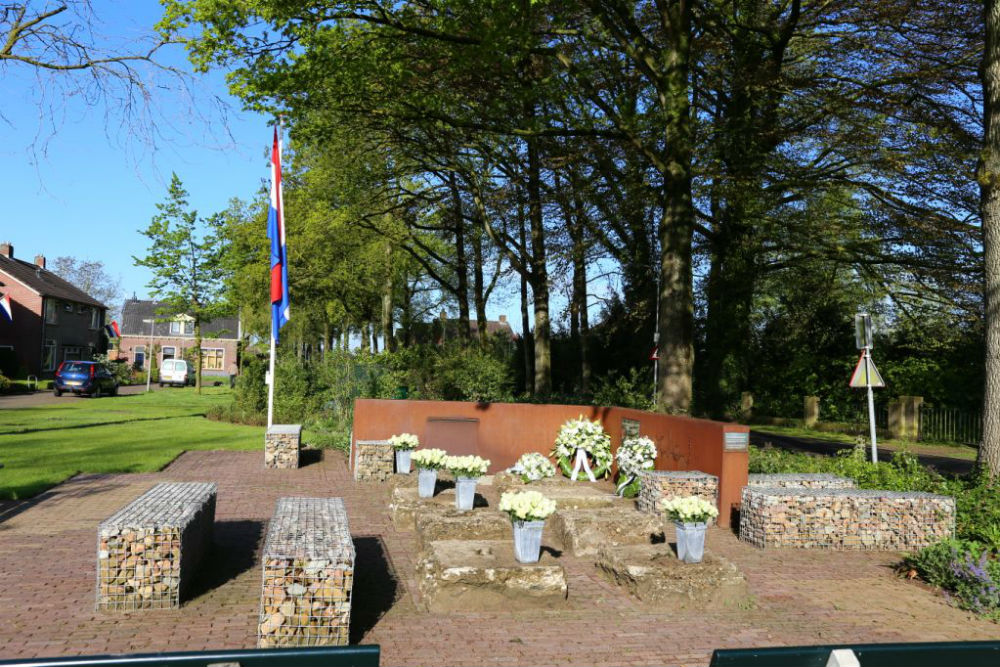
{"type": "Point", "coordinates": [503, 319]}
{"type": "Point", "coordinates": [6, 249]}
{"type": "Point", "coordinates": [40, 261]}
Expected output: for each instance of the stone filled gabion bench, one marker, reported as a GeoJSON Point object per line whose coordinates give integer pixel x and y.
{"type": "Point", "coordinates": [801, 480]}
{"type": "Point", "coordinates": [148, 551]}
{"type": "Point", "coordinates": [374, 460]}
{"type": "Point", "coordinates": [282, 443]}
{"type": "Point", "coordinates": [308, 574]}
{"type": "Point", "coordinates": [654, 485]}
{"type": "Point", "coordinates": [844, 518]}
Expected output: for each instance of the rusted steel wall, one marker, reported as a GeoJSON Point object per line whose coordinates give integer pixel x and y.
{"type": "Point", "coordinates": [502, 432]}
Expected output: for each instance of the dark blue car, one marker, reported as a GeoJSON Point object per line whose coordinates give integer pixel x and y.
{"type": "Point", "coordinates": [84, 377]}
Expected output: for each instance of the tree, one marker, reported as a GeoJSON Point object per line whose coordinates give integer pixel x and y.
{"type": "Point", "coordinates": [91, 277]}
{"type": "Point", "coordinates": [989, 186]}
{"type": "Point", "coordinates": [185, 257]}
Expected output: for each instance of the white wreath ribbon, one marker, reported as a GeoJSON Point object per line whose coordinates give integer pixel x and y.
{"type": "Point", "coordinates": [581, 460]}
{"type": "Point", "coordinates": [620, 491]}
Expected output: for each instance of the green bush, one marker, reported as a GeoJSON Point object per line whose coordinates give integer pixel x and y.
{"type": "Point", "coordinates": [634, 390]}
{"type": "Point", "coordinates": [4, 384]}
{"type": "Point", "coordinates": [250, 395]}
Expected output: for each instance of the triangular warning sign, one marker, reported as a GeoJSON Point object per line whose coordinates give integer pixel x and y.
{"type": "Point", "coordinates": [865, 374]}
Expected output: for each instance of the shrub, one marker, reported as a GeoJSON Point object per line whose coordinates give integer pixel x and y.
{"type": "Point", "coordinates": [4, 384]}
{"type": "Point", "coordinates": [634, 390]}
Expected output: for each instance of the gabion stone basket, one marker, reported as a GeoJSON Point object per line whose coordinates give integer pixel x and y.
{"type": "Point", "coordinates": [147, 551]}
{"type": "Point", "coordinates": [308, 574]}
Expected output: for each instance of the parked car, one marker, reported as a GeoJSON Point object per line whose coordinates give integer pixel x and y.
{"type": "Point", "coordinates": [84, 377]}
{"type": "Point", "coordinates": [176, 372]}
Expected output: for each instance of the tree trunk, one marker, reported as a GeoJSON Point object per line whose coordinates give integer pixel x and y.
{"type": "Point", "coordinates": [677, 221]}
{"type": "Point", "coordinates": [388, 335]}
{"type": "Point", "coordinates": [526, 343]}
{"type": "Point", "coordinates": [366, 339]}
{"type": "Point", "coordinates": [989, 192]}
{"type": "Point", "coordinates": [580, 305]}
{"type": "Point", "coordinates": [461, 262]}
{"type": "Point", "coordinates": [197, 348]}
{"type": "Point", "coordinates": [539, 271]}
{"type": "Point", "coordinates": [374, 330]}
{"type": "Point", "coordinates": [478, 286]}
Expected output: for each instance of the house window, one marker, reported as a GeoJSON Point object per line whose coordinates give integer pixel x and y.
{"type": "Point", "coordinates": [72, 353]}
{"type": "Point", "coordinates": [212, 358]}
{"type": "Point", "coordinates": [49, 355]}
{"type": "Point", "coordinates": [189, 328]}
{"type": "Point", "coordinates": [169, 352]}
{"type": "Point", "coordinates": [95, 318]}
{"type": "Point", "coordinates": [50, 311]}
{"type": "Point", "coordinates": [139, 356]}
{"type": "Point", "coordinates": [175, 327]}
{"type": "Point", "coordinates": [68, 307]}
{"type": "Point", "coordinates": [182, 327]}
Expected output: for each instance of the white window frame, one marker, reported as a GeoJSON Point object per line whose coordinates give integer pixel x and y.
{"type": "Point", "coordinates": [139, 349]}
{"type": "Point", "coordinates": [49, 358]}
{"type": "Point", "coordinates": [222, 358]}
{"type": "Point", "coordinates": [175, 327]}
{"type": "Point", "coordinates": [188, 328]}
{"type": "Point", "coordinates": [95, 319]}
{"type": "Point", "coordinates": [163, 352]}
{"type": "Point", "coordinates": [79, 352]}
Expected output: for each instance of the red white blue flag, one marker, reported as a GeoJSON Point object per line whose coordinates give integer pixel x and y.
{"type": "Point", "coordinates": [5, 307]}
{"type": "Point", "coordinates": [279, 252]}
{"type": "Point", "coordinates": [113, 330]}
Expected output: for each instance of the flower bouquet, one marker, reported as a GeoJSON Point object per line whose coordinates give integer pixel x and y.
{"type": "Point", "coordinates": [690, 516]}
{"type": "Point", "coordinates": [404, 444]}
{"type": "Point", "coordinates": [635, 455]}
{"type": "Point", "coordinates": [428, 462]}
{"type": "Point", "coordinates": [533, 467]}
{"type": "Point", "coordinates": [467, 470]}
{"type": "Point", "coordinates": [527, 511]}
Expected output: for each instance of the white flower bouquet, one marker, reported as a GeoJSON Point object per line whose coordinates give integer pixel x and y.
{"type": "Point", "coordinates": [636, 455]}
{"type": "Point", "coordinates": [527, 505]}
{"type": "Point", "coordinates": [467, 466]}
{"type": "Point", "coordinates": [404, 441]}
{"type": "Point", "coordinates": [534, 466]}
{"type": "Point", "coordinates": [587, 435]}
{"type": "Point", "coordinates": [429, 459]}
{"type": "Point", "coordinates": [691, 509]}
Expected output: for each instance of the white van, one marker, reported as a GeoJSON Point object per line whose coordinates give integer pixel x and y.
{"type": "Point", "coordinates": [176, 372]}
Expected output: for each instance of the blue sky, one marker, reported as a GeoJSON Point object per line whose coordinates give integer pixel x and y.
{"type": "Point", "coordinates": [96, 184]}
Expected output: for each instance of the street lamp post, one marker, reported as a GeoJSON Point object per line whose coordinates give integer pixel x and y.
{"type": "Point", "coordinates": [149, 351]}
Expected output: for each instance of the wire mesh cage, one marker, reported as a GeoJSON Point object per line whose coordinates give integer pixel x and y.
{"type": "Point", "coordinates": [844, 519]}
{"type": "Point", "coordinates": [308, 575]}
{"type": "Point", "coordinates": [655, 485]}
{"type": "Point", "coordinates": [147, 551]}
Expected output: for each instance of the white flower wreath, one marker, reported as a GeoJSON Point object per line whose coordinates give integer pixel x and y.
{"type": "Point", "coordinates": [635, 455]}
{"type": "Point", "coordinates": [581, 433]}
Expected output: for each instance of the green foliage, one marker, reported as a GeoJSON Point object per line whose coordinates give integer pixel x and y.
{"type": "Point", "coordinates": [632, 390]}
{"type": "Point", "coordinates": [119, 369]}
{"type": "Point", "coordinates": [4, 384]}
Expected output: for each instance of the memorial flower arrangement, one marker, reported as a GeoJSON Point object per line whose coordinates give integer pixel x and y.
{"type": "Point", "coordinates": [691, 509]}
{"type": "Point", "coordinates": [633, 456]}
{"type": "Point", "coordinates": [587, 435]}
{"type": "Point", "coordinates": [534, 466]}
{"type": "Point", "coordinates": [527, 505]}
{"type": "Point", "coordinates": [467, 466]}
{"type": "Point", "coordinates": [429, 459]}
{"type": "Point", "coordinates": [404, 441]}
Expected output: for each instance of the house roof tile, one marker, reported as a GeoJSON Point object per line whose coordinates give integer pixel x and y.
{"type": "Point", "coordinates": [45, 282]}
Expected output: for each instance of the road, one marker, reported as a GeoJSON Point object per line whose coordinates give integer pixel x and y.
{"type": "Point", "coordinates": [944, 464]}
{"type": "Point", "coordinates": [47, 397]}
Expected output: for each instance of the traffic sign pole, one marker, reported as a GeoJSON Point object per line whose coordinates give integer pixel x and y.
{"type": "Point", "coordinates": [871, 413]}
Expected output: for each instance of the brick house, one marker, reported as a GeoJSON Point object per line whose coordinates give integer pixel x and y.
{"type": "Point", "coordinates": [173, 336]}
{"type": "Point", "coordinates": [445, 328]}
{"type": "Point", "coordinates": [53, 321]}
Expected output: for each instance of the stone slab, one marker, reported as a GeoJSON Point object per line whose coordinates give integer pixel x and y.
{"type": "Point", "coordinates": [405, 502]}
{"type": "Point", "coordinates": [801, 480]}
{"type": "Point", "coordinates": [482, 575]}
{"type": "Point", "coordinates": [583, 532]}
{"type": "Point", "coordinates": [580, 495]}
{"type": "Point", "coordinates": [653, 574]}
{"type": "Point", "coordinates": [438, 522]}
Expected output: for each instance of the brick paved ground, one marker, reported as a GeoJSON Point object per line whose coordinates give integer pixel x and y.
{"type": "Point", "coordinates": [47, 561]}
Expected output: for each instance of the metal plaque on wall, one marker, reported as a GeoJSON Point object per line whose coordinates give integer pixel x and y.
{"type": "Point", "coordinates": [736, 441]}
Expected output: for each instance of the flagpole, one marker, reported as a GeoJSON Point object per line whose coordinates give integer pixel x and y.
{"type": "Point", "coordinates": [270, 384]}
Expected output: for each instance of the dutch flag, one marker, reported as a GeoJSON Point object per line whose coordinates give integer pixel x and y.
{"type": "Point", "coordinates": [5, 307]}
{"type": "Point", "coordinates": [112, 329]}
{"type": "Point", "coordinates": [279, 253]}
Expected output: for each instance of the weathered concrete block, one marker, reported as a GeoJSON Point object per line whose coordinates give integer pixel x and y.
{"type": "Point", "coordinates": [282, 443]}
{"type": "Point", "coordinates": [653, 574]}
{"type": "Point", "coordinates": [148, 551]}
{"type": "Point", "coordinates": [584, 532]}
{"type": "Point", "coordinates": [844, 518]}
{"type": "Point", "coordinates": [374, 460]}
{"type": "Point", "coordinates": [655, 485]}
{"type": "Point", "coordinates": [801, 480]}
{"type": "Point", "coordinates": [405, 503]}
{"type": "Point", "coordinates": [580, 495]}
{"type": "Point", "coordinates": [438, 522]}
{"type": "Point", "coordinates": [460, 575]}
{"type": "Point", "coordinates": [308, 575]}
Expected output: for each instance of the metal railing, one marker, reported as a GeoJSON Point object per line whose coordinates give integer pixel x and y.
{"type": "Point", "coordinates": [930, 654]}
{"type": "Point", "coordinates": [940, 424]}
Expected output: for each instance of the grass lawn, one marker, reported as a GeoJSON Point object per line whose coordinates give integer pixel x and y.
{"type": "Point", "coordinates": [42, 446]}
{"type": "Point", "coordinates": [951, 450]}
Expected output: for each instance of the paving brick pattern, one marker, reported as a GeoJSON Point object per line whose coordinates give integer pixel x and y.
{"type": "Point", "coordinates": [798, 596]}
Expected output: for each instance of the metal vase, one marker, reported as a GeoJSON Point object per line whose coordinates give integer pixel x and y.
{"type": "Point", "coordinates": [465, 492]}
{"type": "Point", "coordinates": [403, 461]}
{"type": "Point", "coordinates": [426, 480]}
{"type": "Point", "coordinates": [528, 541]}
{"type": "Point", "coordinates": [690, 541]}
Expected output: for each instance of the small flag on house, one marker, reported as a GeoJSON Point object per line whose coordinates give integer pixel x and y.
{"type": "Point", "coordinates": [279, 253]}
{"type": "Point", "coordinates": [5, 307]}
{"type": "Point", "coordinates": [112, 329]}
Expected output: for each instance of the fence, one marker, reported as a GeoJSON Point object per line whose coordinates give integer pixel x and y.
{"type": "Point", "coordinates": [950, 425]}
